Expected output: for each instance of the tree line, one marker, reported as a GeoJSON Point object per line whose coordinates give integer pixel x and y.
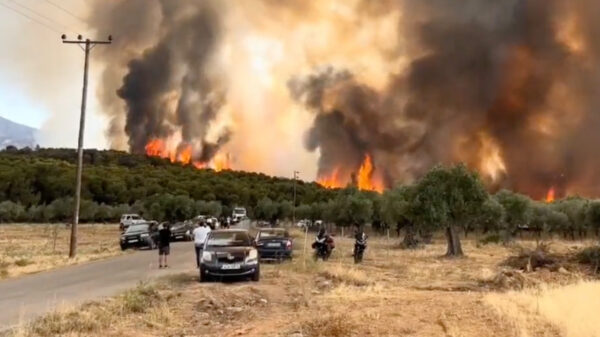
{"type": "Point", "coordinates": [36, 186]}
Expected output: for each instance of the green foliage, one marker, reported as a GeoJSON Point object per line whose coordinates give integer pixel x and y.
{"type": "Point", "coordinates": [517, 207]}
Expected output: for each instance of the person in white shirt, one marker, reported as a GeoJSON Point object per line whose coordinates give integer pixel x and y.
{"type": "Point", "coordinates": [200, 233]}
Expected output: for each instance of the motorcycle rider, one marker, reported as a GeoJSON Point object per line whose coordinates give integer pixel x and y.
{"type": "Point", "coordinates": [360, 243]}
{"type": "Point", "coordinates": [323, 244]}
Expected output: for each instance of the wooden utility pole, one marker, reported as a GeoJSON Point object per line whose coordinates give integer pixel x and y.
{"type": "Point", "coordinates": [294, 206]}
{"type": "Point", "coordinates": [88, 45]}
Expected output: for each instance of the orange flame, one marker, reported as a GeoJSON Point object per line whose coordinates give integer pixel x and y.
{"type": "Point", "coordinates": [366, 179]}
{"type": "Point", "coordinates": [331, 181]}
{"type": "Point", "coordinates": [550, 195]}
{"type": "Point", "coordinates": [159, 148]}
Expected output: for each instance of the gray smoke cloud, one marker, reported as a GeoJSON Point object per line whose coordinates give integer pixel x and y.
{"type": "Point", "coordinates": [166, 85]}
{"type": "Point", "coordinates": [503, 69]}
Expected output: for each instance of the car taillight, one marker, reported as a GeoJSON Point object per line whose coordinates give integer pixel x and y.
{"type": "Point", "coordinates": [288, 244]}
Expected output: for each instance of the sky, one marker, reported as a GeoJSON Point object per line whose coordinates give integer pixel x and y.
{"type": "Point", "coordinates": [41, 78]}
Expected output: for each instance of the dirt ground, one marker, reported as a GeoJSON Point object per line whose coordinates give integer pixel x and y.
{"type": "Point", "coordinates": [26, 249]}
{"type": "Point", "coordinates": [394, 292]}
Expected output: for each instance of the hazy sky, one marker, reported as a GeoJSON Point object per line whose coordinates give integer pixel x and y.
{"type": "Point", "coordinates": [41, 78]}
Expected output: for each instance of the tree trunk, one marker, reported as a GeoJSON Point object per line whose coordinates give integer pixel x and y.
{"type": "Point", "coordinates": [410, 241]}
{"type": "Point", "coordinates": [454, 246]}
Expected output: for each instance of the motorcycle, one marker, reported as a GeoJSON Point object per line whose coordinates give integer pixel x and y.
{"type": "Point", "coordinates": [323, 247]}
{"type": "Point", "coordinates": [360, 245]}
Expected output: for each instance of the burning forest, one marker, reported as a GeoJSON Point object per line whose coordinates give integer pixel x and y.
{"type": "Point", "coordinates": [360, 92]}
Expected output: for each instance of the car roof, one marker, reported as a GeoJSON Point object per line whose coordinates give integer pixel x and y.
{"type": "Point", "coordinates": [272, 229]}
{"type": "Point", "coordinates": [229, 230]}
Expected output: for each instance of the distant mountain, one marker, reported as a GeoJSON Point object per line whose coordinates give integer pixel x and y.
{"type": "Point", "coordinates": [16, 134]}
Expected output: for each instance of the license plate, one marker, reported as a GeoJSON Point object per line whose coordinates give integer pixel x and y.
{"type": "Point", "coordinates": [230, 266]}
{"type": "Point", "coordinates": [275, 244]}
{"type": "Point", "coordinates": [134, 240]}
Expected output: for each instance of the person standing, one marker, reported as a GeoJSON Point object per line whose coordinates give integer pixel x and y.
{"type": "Point", "coordinates": [200, 234]}
{"type": "Point", "coordinates": [164, 244]}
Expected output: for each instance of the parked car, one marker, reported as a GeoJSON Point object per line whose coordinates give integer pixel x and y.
{"type": "Point", "coordinates": [182, 231]}
{"type": "Point", "coordinates": [213, 223]}
{"type": "Point", "coordinates": [238, 214]}
{"type": "Point", "coordinates": [274, 244]}
{"type": "Point", "coordinates": [130, 219]}
{"type": "Point", "coordinates": [140, 235]}
{"type": "Point", "coordinates": [229, 253]}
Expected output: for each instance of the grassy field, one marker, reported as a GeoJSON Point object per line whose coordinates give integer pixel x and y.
{"type": "Point", "coordinates": [394, 292]}
{"type": "Point", "coordinates": [26, 249]}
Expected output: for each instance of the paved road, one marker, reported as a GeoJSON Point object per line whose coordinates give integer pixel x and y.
{"type": "Point", "coordinates": [24, 298]}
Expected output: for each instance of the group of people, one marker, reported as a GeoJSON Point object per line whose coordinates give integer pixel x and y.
{"type": "Point", "coordinates": [199, 235]}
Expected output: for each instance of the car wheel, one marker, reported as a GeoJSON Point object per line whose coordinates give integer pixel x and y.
{"type": "Point", "coordinates": [256, 275]}
{"type": "Point", "coordinates": [123, 247]}
{"type": "Point", "coordinates": [203, 277]}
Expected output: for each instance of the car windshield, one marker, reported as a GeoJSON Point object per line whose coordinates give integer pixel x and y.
{"type": "Point", "coordinates": [135, 217]}
{"type": "Point", "coordinates": [137, 228]}
{"type": "Point", "coordinates": [272, 233]}
{"type": "Point", "coordinates": [228, 239]}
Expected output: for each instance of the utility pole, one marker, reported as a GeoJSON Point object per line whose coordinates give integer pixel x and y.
{"type": "Point", "coordinates": [88, 45]}
{"type": "Point", "coordinates": [294, 208]}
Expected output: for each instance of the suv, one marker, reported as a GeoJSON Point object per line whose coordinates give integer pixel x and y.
{"type": "Point", "coordinates": [128, 220]}
{"type": "Point", "coordinates": [229, 253]}
{"type": "Point", "coordinates": [140, 235]}
{"type": "Point", "coordinates": [239, 214]}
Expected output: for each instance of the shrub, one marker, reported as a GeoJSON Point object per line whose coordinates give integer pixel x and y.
{"type": "Point", "coordinates": [491, 238]}
{"type": "Point", "coordinates": [590, 256]}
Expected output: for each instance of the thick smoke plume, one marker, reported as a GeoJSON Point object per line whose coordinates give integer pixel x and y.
{"type": "Point", "coordinates": [509, 87]}
{"type": "Point", "coordinates": [168, 90]}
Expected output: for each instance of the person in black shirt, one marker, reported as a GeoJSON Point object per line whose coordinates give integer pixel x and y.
{"type": "Point", "coordinates": [164, 240]}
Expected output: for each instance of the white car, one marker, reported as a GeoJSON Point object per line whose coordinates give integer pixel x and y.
{"type": "Point", "coordinates": [130, 219]}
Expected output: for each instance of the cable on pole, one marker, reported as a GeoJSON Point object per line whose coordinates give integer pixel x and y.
{"type": "Point", "coordinates": [50, 20]}
{"type": "Point", "coordinates": [65, 10]}
{"type": "Point", "coordinates": [30, 18]}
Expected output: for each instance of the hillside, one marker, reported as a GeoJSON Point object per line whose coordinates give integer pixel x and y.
{"type": "Point", "coordinates": [16, 134]}
{"type": "Point", "coordinates": [119, 182]}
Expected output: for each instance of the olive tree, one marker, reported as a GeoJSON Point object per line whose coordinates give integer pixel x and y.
{"type": "Point", "coordinates": [397, 208]}
{"type": "Point", "coordinates": [445, 198]}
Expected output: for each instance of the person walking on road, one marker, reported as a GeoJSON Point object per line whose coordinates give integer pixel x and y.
{"type": "Point", "coordinates": [200, 234]}
{"type": "Point", "coordinates": [164, 242]}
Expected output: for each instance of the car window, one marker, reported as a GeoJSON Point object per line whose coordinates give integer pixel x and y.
{"type": "Point", "coordinates": [228, 239]}
{"type": "Point", "coordinates": [135, 217]}
{"type": "Point", "coordinates": [272, 234]}
{"type": "Point", "coordinates": [137, 228]}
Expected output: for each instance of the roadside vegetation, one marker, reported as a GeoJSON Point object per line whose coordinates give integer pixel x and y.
{"type": "Point", "coordinates": [394, 292]}
{"type": "Point", "coordinates": [26, 249]}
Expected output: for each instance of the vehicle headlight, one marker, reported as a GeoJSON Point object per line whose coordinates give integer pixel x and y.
{"type": "Point", "coordinates": [252, 257]}
{"type": "Point", "coordinates": [206, 256]}
{"type": "Point", "coordinates": [143, 235]}
{"type": "Point", "coordinates": [122, 238]}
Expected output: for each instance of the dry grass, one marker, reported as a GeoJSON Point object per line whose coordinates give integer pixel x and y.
{"type": "Point", "coordinates": [394, 292]}
{"type": "Point", "coordinates": [26, 249]}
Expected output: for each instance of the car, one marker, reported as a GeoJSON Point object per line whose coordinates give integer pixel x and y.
{"type": "Point", "coordinates": [274, 244]}
{"type": "Point", "coordinates": [128, 220]}
{"type": "Point", "coordinates": [238, 214]}
{"type": "Point", "coordinates": [229, 253]}
{"type": "Point", "coordinates": [181, 231]}
{"type": "Point", "coordinates": [140, 235]}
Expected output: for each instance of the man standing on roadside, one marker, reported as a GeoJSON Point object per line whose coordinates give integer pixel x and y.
{"type": "Point", "coordinates": [164, 242]}
{"type": "Point", "coordinates": [200, 234]}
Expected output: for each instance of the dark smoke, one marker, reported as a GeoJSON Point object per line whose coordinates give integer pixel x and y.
{"type": "Point", "coordinates": [494, 68]}
{"type": "Point", "coordinates": [168, 86]}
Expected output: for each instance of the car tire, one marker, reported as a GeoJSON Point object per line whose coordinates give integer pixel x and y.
{"type": "Point", "coordinates": [203, 278]}
{"type": "Point", "coordinates": [123, 247]}
{"type": "Point", "coordinates": [256, 275]}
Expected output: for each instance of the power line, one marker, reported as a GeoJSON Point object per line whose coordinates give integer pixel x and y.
{"type": "Point", "coordinates": [30, 18]}
{"type": "Point", "coordinates": [65, 10]}
{"type": "Point", "coordinates": [50, 20]}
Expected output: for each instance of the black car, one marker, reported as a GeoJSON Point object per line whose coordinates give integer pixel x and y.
{"type": "Point", "coordinates": [229, 253]}
{"type": "Point", "coordinates": [140, 235]}
{"type": "Point", "coordinates": [274, 244]}
{"type": "Point", "coordinates": [181, 231]}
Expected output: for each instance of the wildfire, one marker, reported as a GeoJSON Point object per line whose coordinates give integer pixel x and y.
{"type": "Point", "coordinates": [366, 179]}
{"type": "Point", "coordinates": [331, 181]}
{"type": "Point", "coordinates": [183, 154]}
{"type": "Point", "coordinates": [550, 195]}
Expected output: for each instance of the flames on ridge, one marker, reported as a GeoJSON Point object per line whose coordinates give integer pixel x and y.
{"type": "Point", "coordinates": [365, 178]}
{"type": "Point", "coordinates": [183, 154]}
